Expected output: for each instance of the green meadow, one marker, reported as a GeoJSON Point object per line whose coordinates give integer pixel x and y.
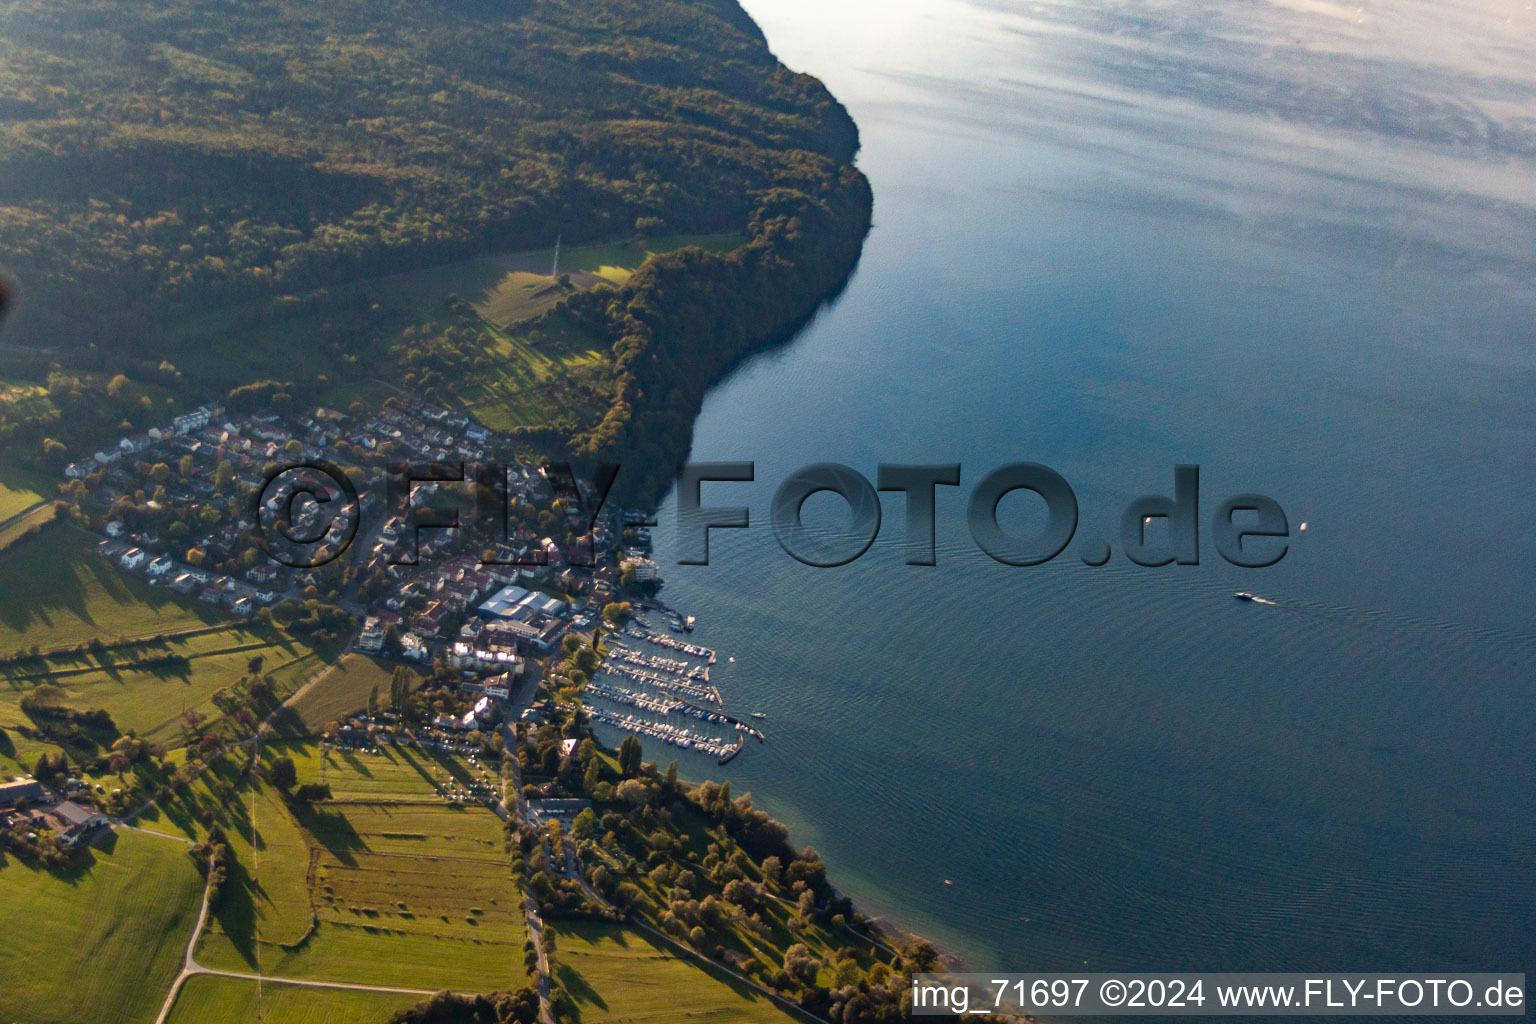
{"type": "Point", "coordinates": [615, 974]}
{"type": "Point", "coordinates": [101, 942]}
{"type": "Point", "coordinates": [343, 690]}
{"type": "Point", "coordinates": [150, 701]}
{"type": "Point", "coordinates": [59, 593]}
{"type": "Point", "coordinates": [205, 999]}
{"type": "Point", "coordinates": [392, 774]}
{"type": "Point", "coordinates": [386, 884]}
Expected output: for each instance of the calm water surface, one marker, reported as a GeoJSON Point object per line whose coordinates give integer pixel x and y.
{"type": "Point", "coordinates": [1292, 243]}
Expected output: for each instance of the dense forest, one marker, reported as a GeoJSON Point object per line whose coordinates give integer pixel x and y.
{"type": "Point", "coordinates": [171, 159]}
{"type": "Point", "coordinates": [178, 150]}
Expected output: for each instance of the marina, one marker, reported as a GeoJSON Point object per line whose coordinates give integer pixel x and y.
{"type": "Point", "coordinates": [662, 686]}
{"type": "Point", "coordinates": [681, 737]}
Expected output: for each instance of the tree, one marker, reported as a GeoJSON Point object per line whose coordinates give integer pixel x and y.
{"type": "Point", "coordinates": [119, 764]}
{"type": "Point", "coordinates": [801, 964]}
{"type": "Point", "coordinates": [254, 665]}
{"type": "Point", "coordinates": [635, 792]}
{"type": "Point", "coordinates": [312, 792]}
{"type": "Point", "coordinates": [805, 906]}
{"type": "Point", "coordinates": [920, 956]}
{"type": "Point", "coordinates": [373, 700]}
{"type": "Point", "coordinates": [629, 757]}
{"type": "Point", "coordinates": [742, 893]}
{"type": "Point", "coordinates": [283, 774]}
{"type": "Point", "coordinates": [399, 689]}
{"type": "Point", "coordinates": [773, 870]}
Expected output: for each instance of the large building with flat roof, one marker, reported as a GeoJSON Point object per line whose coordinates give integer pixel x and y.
{"type": "Point", "coordinates": [521, 603]}
{"type": "Point", "coordinates": [21, 789]}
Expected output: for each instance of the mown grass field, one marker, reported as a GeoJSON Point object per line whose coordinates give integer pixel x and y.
{"type": "Point", "coordinates": [342, 691]}
{"type": "Point", "coordinates": [531, 367]}
{"type": "Point", "coordinates": [15, 501]}
{"type": "Point", "coordinates": [380, 955]}
{"type": "Point", "coordinates": [150, 701]}
{"type": "Point", "coordinates": [520, 295]}
{"type": "Point", "coordinates": [615, 974]}
{"type": "Point", "coordinates": [405, 889]}
{"type": "Point", "coordinates": [518, 393]}
{"type": "Point", "coordinates": [210, 1000]}
{"type": "Point", "coordinates": [101, 943]}
{"type": "Point", "coordinates": [477, 280]}
{"type": "Point", "coordinates": [20, 487]}
{"type": "Point", "coordinates": [59, 593]}
{"type": "Point", "coordinates": [391, 774]}
{"type": "Point", "coordinates": [35, 518]}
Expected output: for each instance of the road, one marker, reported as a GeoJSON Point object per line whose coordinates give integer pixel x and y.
{"type": "Point", "coordinates": [190, 968]}
{"type": "Point", "coordinates": [536, 933]}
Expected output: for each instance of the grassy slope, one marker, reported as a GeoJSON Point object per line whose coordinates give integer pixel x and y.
{"type": "Point", "coordinates": [343, 691]}
{"type": "Point", "coordinates": [15, 501]}
{"type": "Point", "coordinates": [615, 974]}
{"type": "Point", "coordinates": [526, 374]}
{"type": "Point", "coordinates": [59, 593]}
{"type": "Point", "coordinates": [34, 518]}
{"type": "Point", "coordinates": [209, 1000]}
{"type": "Point", "coordinates": [21, 487]}
{"type": "Point", "coordinates": [101, 944]}
{"type": "Point", "coordinates": [459, 926]}
{"type": "Point", "coordinates": [151, 701]}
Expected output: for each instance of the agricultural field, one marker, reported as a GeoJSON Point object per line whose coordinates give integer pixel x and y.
{"type": "Point", "coordinates": [150, 700]}
{"type": "Point", "coordinates": [60, 593]}
{"type": "Point", "coordinates": [403, 888]}
{"type": "Point", "coordinates": [97, 943]}
{"type": "Point", "coordinates": [342, 691]}
{"type": "Point", "coordinates": [244, 341]}
{"type": "Point", "coordinates": [20, 526]}
{"type": "Point", "coordinates": [205, 999]}
{"type": "Point", "coordinates": [368, 954]}
{"type": "Point", "coordinates": [612, 974]}
{"type": "Point", "coordinates": [512, 369]}
{"type": "Point", "coordinates": [480, 280]}
{"type": "Point", "coordinates": [14, 500]}
{"type": "Point", "coordinates": [20, 487]}
{"type": "Point", "coordinates": [392, 774]}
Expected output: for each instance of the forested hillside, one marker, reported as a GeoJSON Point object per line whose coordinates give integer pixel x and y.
{"type": "Point", "coordinates": [174, 151]}
{"type": "Point", "coordinates": [198, 196]}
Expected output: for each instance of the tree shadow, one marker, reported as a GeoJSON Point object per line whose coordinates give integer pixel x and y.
{"type": "Point", "coordinates": [579, 989]}
{"type": "Point", "coordinates": [332, 830]}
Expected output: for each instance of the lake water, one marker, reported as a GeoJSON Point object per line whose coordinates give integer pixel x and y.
{"type": "Point", "coordinates": [1292, 243]}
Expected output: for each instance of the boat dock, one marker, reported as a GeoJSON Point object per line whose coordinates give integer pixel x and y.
{"type": "Point", "coordinates": [662, 640]}
{"type": "Point", "coordinates": [681, 687]}
{"type": "Point", "coordinates": [678, 736]}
